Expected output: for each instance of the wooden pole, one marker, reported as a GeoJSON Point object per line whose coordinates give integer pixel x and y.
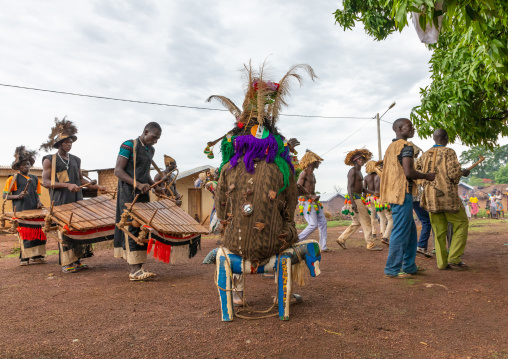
{"type": "Point", "coordinates": [379, 136]}
{"type": "Point", "coordinates": [476, 163]}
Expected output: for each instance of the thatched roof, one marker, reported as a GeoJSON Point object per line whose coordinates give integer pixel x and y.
{"type": "Point", "coordinates": [482, 192]}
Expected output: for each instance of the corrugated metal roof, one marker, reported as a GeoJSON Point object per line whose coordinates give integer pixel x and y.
{"type": "Point", "coordinates": [193, 171]}
{"type": "Point", "coordinates": [326, 197]}
{"type": "Point", "coordinates": [466, 185]}
{"type": "Point", "coordinates": [9, 168]}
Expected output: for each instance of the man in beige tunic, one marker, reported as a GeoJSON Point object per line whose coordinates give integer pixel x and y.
{"type": "Point", "coordinates": [441, 199]}
{"type": "Point", "coordinates": [361, 217]}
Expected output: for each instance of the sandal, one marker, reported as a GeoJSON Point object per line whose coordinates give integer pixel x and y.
{"type": "Point", "coordinates": [23, 263]}
{"type": "Point", "coordinates": [374, 248]}
{"type": "Point", "coordinates": [459, 266]}
{"type": "Point", "coordinates": [69, 269]}
{"type": "Point", "coordinates": [39, 260]}
{"type": "Point", "coordinates": [423, 252]}
{"type": "Point", "coordinates": [385, 241]}
{"type": "Point", "coordinates": [82, 266]}
{"type": "Point", "coordinates": [141, 275]}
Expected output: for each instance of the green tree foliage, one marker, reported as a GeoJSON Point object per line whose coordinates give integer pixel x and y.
{"type": "Point", "coordinates": [468, 93]}
{"type": "Point", "coordinates": [502, 175]}
{"type": "Point", "coordinates": [494, 159]}
{"type": "Point", "coordinates": [475, 181]}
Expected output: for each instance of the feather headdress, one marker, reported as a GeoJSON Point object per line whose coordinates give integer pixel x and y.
{"type": "Point", "coordinates": [22, 154]}
{"type": "Point", "coordinates": [355, 154]}
{"type": "Point", "coordinates": [62, 130]}
{"type": "Point", "coordinates": [264, 99]}
{"type": "Point", "coordinates": [308, 158]}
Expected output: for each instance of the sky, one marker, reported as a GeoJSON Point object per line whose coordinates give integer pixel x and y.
{"type": "Point", "coordinates": [181, 52]}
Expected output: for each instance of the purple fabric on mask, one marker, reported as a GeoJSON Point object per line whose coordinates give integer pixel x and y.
{"type": "Point", "coordinates": [252, 148]}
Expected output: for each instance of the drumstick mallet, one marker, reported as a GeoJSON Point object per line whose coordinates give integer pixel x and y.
{"type": "Point", "coordinates": [28, 181]}
{"type": "Point", "coordinates": [152, 186]}
{"type": "Point", "coordinates": [91, 183]}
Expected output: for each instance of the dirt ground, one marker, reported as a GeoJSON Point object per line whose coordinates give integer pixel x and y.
{"type": "Point", "coordinates": [350, 311]}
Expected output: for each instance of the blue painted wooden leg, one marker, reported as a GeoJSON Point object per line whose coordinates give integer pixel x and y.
{"type": "Point", "coordinates": [285, 286]}
{"type": "Point", "coordinates": [313, 258]}
{"type": "Point", "coordinates": [224, 281]}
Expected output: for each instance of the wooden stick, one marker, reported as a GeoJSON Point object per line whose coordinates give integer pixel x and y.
{"type": "Point", "coordinates": [151, 219]}
{"type": "Point", "coordinates": [213, 143]}
{"type": "Point", "coordinates": [92, 183]}
{"type": "Point", "coordinates": [152, 186]}
{"type": "Point", "coordinates": [27, 184]}
{"type": "Point", "coordinates": [70, 220]}
{"type": "Point", "coordinates": [476, 163]}
{"type": "Point", "coordinates": [135, 239]}
{"type": "Point", "coordinates": [205, 219]}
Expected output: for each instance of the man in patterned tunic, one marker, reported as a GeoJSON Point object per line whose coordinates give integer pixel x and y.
{"type": "Point", "coordinates": [441, 199]}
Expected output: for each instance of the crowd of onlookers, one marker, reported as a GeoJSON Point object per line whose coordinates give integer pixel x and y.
{"type": "Point", "coordinates": [493, 207]}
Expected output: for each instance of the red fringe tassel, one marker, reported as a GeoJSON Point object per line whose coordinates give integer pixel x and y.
{"type": "Point", "coordinates": [31, 234]}
{"type": "Point", "coordinates": [161, 251]}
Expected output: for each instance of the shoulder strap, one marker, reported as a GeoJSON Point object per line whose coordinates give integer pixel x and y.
{"type": "Point", "coordinates": [135, 143]}
{"type": "Point", "coordinates": [53, 170]}
{"type": "Point", "coordinates": [13, 181]}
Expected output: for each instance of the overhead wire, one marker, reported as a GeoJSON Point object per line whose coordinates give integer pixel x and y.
{"type": "Point", "coordinates": [341, 142]}
{"type": "Point", "coordinates": [165, 104]}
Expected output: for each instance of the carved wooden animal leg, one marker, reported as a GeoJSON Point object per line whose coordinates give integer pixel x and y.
{"type": "Point", "coordinates": [313, 258]}
{"type": "Point", "coordinates": [284, 286]}
{"type": "Point", "coordinates": [224, 281]}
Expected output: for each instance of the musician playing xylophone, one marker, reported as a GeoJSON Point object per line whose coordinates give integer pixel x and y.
{"type": "Point", "coordinates": [62, 176]}
{"type": "Point", "coordinates": [24, 190]}
{"type": "Point", "coordinates": [134, 181]}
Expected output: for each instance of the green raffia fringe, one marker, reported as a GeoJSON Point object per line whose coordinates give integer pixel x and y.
{"type": "Point", "coordinates": [281, 163]}
{"type": "Point", "coordinates": [228, 151]}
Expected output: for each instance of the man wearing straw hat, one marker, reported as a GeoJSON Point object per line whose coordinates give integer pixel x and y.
{"type": "Point", "coordinates": [441, 199]}
{"type": "Point", "coordinates": [382, 209]}
{"type": "Point", "coordinates": [309, 204]}
{"type": "Point", "coordinates": [62, 176]}
{"type": "Point", "coordinates": [24, 190]}
{"type": "Point", "coordinates": [133, 171]}
{"type": "Point", "coordinates": [355, 188]}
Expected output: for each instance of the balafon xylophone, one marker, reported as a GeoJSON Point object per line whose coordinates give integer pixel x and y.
{"type": "Point", "coordinates": [87, 221]}
{"type": "Point", "coordinates": [165, 227]}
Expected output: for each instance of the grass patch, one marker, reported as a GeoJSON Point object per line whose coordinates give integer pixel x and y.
{"type": "Point", "coordinates": [329, 224]}
{"type": "Point", "coordinates": [16, 255]}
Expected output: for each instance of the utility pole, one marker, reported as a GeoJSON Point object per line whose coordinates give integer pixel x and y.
{"type": "Point", "coordinates": [379, 129]}
{"type": "Point", "coordinates": [379, 136]}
